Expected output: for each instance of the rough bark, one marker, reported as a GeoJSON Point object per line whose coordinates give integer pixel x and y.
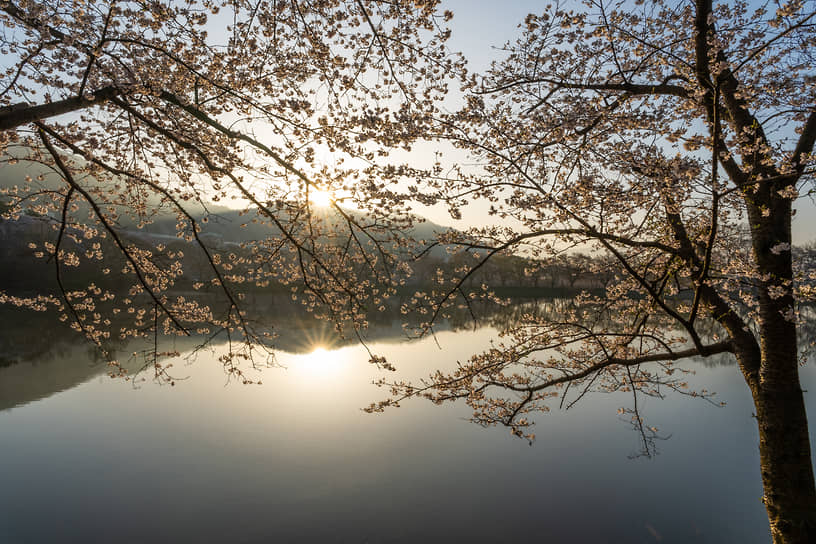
{"type": "Point", "coordinates": [784, 442]}
{"type": "Point", "coordinates": [787, 474]}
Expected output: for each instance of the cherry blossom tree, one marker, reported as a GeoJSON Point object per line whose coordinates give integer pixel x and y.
{"type": "Point", "coordinates": [138, 108]}
{"type": "Point", "coordinates": [668, 138]}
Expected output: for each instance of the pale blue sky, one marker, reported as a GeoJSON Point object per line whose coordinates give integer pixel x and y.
{"type": "Point", "coordinates": [479, 26]}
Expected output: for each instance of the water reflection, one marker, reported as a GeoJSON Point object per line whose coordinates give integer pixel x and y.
{"type": "Point", "coordinates": [295, 460]}
{"type": "Point", "coordinates": [40, 356]}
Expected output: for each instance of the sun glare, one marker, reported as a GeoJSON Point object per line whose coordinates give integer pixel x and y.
{"type": "Point", "coordinates": [320, 363]}
{"type": "Point", "coordinates": [320, 198]}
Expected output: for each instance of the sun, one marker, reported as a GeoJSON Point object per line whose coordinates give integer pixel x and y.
{"type": "Point", "coordinates": [320, 198]}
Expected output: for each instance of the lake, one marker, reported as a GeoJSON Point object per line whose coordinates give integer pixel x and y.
{"type": "Point", "coordinates": [85, 458]}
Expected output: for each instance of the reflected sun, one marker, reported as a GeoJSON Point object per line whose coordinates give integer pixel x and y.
{"type": "Point", "coordinates": [320, 362]}
{"type": "Point", "coordinates": [320, 198]}
{"type": "Point", "coordinates": [318, 353]}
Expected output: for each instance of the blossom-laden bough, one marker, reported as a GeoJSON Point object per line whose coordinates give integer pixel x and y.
{"type": "Point", "coordinates": [127, 111]}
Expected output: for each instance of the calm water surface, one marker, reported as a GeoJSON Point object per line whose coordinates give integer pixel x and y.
{"type": "Point", "coordinates": [89, 459]}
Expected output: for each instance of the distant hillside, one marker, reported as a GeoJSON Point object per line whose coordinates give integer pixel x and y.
{"type": "Point", "coordinates": [222, 223]}
{"type": "Point", "coordinates": [231, 225]}
{"type": "Point", "coordinates": [223, 228]}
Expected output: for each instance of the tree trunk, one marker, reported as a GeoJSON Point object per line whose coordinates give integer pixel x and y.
{"type": "Point", "coordinates": [784, 442]}
{"type": "Point", "coordinates": [784, 449]}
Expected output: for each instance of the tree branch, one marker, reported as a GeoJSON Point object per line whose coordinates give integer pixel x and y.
{"type": "Point", "coordinates": [20, 114]}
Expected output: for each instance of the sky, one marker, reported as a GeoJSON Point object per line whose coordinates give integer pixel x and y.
{"type": "Point", "coordinates": [480, 26]}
